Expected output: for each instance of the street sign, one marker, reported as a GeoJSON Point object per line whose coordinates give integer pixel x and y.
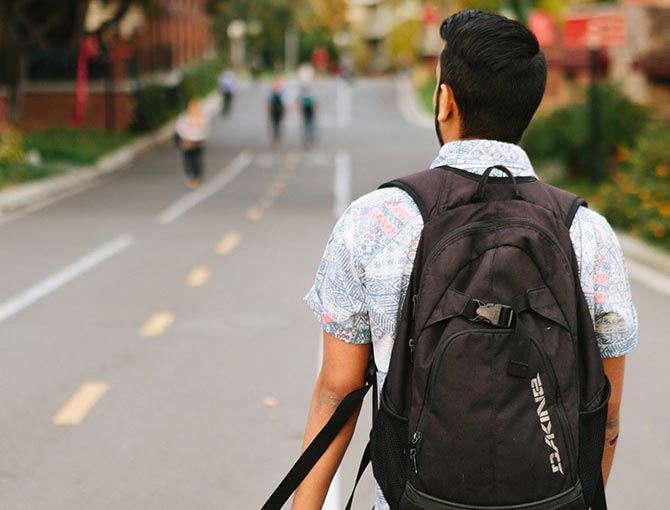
{"type": "Point", "coordinates": [595, 29]}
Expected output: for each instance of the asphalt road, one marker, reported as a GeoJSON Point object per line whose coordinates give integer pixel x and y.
{"type": "Point", "coordinates": [156, 351]}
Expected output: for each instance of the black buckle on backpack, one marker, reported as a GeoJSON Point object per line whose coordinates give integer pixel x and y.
{"type": "Point", "coordinates": [495, 314]}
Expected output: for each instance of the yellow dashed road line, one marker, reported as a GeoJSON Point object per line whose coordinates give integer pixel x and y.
{"type": "Point", "coordinates": [157, 324]}
{"type": "Point", "coordinates": [228, 243]}
{"type": "Point", "coordinates": [79, 405]}
{"type": "Point", "coordinates": [198, 276]}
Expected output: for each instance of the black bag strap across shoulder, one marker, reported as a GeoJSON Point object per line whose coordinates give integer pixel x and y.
{"type": "Point", "coordinates": [321, 442]}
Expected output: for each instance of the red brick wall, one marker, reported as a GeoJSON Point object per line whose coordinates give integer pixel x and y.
{"type": "Point", "coordinates": [181, 24]}
{"type": "Point", "coordinates": [52, 109]}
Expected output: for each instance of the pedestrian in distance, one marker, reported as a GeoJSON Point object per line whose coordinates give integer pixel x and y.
{"type": "Point", "coordinates": [308, 113]}
{"type": "Point", "coordinates": [227, 85]}
{"type": "Point", "coordinates": [493, 311]}
{"type": "Point", "coordinates": [192, 131]}
{"type": "Point", "coordinates": [276, 110]}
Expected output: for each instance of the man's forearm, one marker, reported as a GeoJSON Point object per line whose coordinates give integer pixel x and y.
{"type": "Point", "coordinates": [614, 369]}
{"type": "Point", "coordinates": [611, 437]}
{"type": "Point", "coordinates": [312, 492]}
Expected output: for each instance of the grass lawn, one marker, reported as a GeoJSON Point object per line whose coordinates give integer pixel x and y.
{"type": "Point", "coordinates": [74, 146]}
{"type": "Point", "coordinates": [60, 149]}
{"type": "Point", "coordinates": [14, 173]}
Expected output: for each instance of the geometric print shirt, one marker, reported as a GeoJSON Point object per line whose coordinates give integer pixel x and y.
{"type": "Point", "coordinates": [363, 276]}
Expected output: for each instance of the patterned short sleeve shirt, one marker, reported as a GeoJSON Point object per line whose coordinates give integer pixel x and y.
{"type": "Point", "coordinates": [364, 273]}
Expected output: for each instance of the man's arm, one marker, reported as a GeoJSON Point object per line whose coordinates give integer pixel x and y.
{"type": "Point", "coordinates": [343, 370]}
{"type": "Point", "coordinates": [614, 369]}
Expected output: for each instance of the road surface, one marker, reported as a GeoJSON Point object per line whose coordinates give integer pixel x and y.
{"type": "Point", "coordinates": [156, 351]}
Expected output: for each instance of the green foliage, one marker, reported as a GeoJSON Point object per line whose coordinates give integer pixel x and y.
{"type": "Point", "coordinates": [403, 43]}
{"type": "Point", "coordinates": [563, 135]}
{"type": "Point", "coordinates": [427, 91]}
{"type": "Point", "coordinates": [274, 16]}
{"type": "Point", "coordinates": [484, 5]}
{"type": "Point", "coordinates": [14, 173]}
{"type": "Point", "coordinates": [11, 145]}
{"type": "Point", "coordinates": [74, 146]}
{"type": "Point", "coordinates": [156, 104]}
{"type": "Point", "coordinates": [638, 198]}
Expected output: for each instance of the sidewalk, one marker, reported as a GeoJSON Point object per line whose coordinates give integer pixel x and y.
{"type": "Point", "coordinates": [24, 196]}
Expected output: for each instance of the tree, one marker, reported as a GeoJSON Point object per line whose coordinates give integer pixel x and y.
{"type": "Point", "coordinates": [26, 25]}
{"type": "Point", "coordinates": [273, 17]}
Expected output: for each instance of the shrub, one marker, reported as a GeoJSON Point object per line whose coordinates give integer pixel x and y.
{"type": "Point", "coordinates": [563, 136]}
{"type": "Point", "coordinates": [638, 198]}
{"type": "Point", "coordinates": [74, 146]}
{"type": "Point", "coordinates": [152, 107]}
{"type": "Point", "coordinates": [155, 104]}
{"type": "Point", "coordinates": [20, 172]}
{"type": "Point", "coordinates": [11, 145]}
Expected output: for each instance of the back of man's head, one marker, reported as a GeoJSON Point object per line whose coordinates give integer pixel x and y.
{"type": "Point", "coordinates": [497, 72]}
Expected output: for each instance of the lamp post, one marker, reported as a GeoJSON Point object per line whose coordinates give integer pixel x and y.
{"type": "Point", "coordinates": [236, 32]}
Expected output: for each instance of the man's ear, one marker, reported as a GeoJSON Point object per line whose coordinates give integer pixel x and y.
{"type": "Point", "coordinates": [446, 104]}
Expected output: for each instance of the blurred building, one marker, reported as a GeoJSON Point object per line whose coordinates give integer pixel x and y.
{"type": "Point", "coordinates": [372, 21]}
{"type": "Point", "coordinates": [146, 45]}
{"type": "Point", "coordinates": [640, 63]}
{"type": "Point", "coordinates": [643, 64]}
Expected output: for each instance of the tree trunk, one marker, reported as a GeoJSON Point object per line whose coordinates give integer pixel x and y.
{"type": "Point", "coordinates": [18, 70]}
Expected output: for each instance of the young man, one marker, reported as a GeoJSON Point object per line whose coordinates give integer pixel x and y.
{"type": "Point", "coordinates": [491, 78]}
{"type": "Point", "coordinates": [276, 110]}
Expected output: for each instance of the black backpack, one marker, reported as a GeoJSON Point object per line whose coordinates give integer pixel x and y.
{"type": "Point", "coordinates": [276, 105]}
{"type": "Point", "coordinates": [495, 396]}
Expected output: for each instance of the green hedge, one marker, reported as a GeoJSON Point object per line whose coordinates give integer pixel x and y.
{"type": "Point", "coordinates": [638, 197]}
{"type": "Point", "coordinates": [74, 146]}
{"type": "Point", "coordinates": [13, 173]}
{"type": "Point", "coordinates": [563, 135]}
{"type": "Point", "coordinates": [156, 104]}
{"type": "Point", "coordinates": [11, 145]}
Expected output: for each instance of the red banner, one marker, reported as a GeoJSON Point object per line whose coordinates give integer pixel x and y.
{"type": "Point", "coordinates": [599, 29]}
{"type": "Point", "coordinates": [88, 49]}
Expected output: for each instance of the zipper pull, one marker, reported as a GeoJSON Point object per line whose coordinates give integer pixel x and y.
{"type": "Point", "coordinates": [412, 344]}
{"type": "Point", "coordinates": [412, 452]}
{"type": "Point", "coordinates": [412, 460]}
{"type": "Point", "coordinates": [415, 298]}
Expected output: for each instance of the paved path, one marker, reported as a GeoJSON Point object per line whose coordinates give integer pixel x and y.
{"type": "Point", "coordinates": [156, 351]}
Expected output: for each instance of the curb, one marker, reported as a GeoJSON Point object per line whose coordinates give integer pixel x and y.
{"type": "Point", "coordinates": [634, 248]}
{"type": "Point", "coordinates": [32, 194]}
{"type": "Point", "coordinates": [644, 253]}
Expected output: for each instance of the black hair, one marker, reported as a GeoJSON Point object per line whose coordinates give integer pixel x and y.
{"type": "Point", "coordinates": [497, 72]}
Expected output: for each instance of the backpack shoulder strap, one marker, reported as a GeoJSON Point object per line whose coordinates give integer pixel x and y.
{"type": "Point", "coordinates": [424, 187]}
{"type": "Point", "coordinates": [567, 203]}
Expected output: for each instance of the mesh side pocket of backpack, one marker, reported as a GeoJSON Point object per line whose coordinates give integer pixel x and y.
{"type": "Point", "coordinates": [389, 443]}
{"type": "Point", "coordinates": [592, 423]}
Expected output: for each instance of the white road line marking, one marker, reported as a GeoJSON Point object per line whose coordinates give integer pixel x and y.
{"type": "Point", "coordinates": [53, 282]}
{"type": "Point", "coordinates": [343, 101]}
{"type": "Point", "coordinates": [223, 178]}
{"type": "Point", "coordinates": [648, 277]}
{"type": "Point", "coordinates": [342, 183]}
{"type": "Point", "coordinates": [80, 404]}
